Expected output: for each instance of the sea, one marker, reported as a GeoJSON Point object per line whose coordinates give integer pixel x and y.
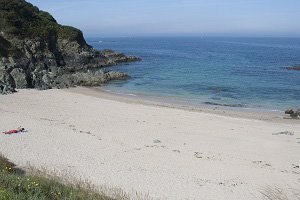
{"type": "Point", "coordinates": [249, 73]}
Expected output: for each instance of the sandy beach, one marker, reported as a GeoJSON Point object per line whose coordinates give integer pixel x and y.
{"type": "Point", "coordinates": [159, 150]}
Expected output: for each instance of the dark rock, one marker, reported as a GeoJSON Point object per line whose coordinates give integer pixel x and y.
{"type": "Point", "coordinates": [298, 112]}
{"type": "Point", "coordinates": [296, 68]}
{"type": "Point", "coordinates": [7, 83]}
{"type": "Point", "coordinates": [116, 57]}
{"type": "Point", "coordinates": [87, 79]}
{"type": "Point", "coordinates": [116, 76]}
{"type": "Point", "coordinates": [37, 52]}
{"type": "Point", "coordinates": [43, 80]}
{"type": "Point", "coordinates": [19, 77]}
{"type": "Point", "coordinates": [289, 111]}
{"type": "Point", "coordinates": [293, 114]}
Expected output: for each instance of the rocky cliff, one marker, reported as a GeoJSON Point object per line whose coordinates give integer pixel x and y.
{"type": "Point", "coordinates": [37, 52]}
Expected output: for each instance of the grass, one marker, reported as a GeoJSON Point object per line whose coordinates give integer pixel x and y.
{"type": "Point", "coordinates": [16, 185]}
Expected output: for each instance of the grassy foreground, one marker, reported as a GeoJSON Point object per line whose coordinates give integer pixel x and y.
{"type": "Point", "coordinates": [15, 185]}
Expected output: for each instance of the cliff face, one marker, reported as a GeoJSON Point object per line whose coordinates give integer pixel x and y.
{"type": "Point", "coordinates": [37, 52]}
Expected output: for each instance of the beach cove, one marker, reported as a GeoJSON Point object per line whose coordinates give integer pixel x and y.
{"type": "Point", "coordinates": [163, 151]}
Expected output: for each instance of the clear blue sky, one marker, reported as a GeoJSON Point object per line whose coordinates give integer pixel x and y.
{"type": "Point", "coordinates": [177, 17]}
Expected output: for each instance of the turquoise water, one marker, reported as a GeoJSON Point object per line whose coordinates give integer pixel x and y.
{"type": "Point", "coordinates": [235, 72]}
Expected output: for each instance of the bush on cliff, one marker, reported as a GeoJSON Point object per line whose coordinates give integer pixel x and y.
{"type": "Point", "coordinates": [23, 20]}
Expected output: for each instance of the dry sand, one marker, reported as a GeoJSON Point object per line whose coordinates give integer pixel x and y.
{"type": "Point", "coordinates": [167, 153]}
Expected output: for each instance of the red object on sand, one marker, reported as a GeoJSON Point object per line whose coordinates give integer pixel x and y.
{"type": "Point", "coordinates": [13, 131]}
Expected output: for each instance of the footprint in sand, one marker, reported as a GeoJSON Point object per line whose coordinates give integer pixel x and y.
{"type": "Point", "coordinates": [198, 155]}
{"type": "Point", "coordinates": [50, 120]}
{"type": "Point", "coordinates": [230, 183]}
{"type": "Point", "coordinates": [262, 164]}
{"type": "Point", "coordinates": [155, 146]}
{"type": "Point", "coordinates": [87, 132]}
{"type": "Point", "coordinates": [202, 182]}
{"type": "Point", "coordinates": [290, 133]}
{"type": "Point", "coordinates": [296, 169]}
{"type": "Point", "coordinates": [207, 156]}
{"type": "Point", "coordinates": [156, 141]}
{"type": "Point", "coordinates": [296, 166]}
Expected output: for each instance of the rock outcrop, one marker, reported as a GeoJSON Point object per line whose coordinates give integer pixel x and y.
{"type": "Point", "coordinates": [37, 52]}
{"type": "Point", "coordinates": [87, 79]}
{"type": "Point", "coordinates": [294, 114]}
{"type": "Point", "coordinates": [296, 68]}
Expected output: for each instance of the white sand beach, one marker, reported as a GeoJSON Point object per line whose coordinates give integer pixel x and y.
{"type": "Point", "coordinates": [168, 153]}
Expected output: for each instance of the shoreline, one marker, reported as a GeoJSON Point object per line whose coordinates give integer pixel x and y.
{"type": "Point", "coordinates": [245, 113]}
{"type": "Point", "coordinates": [155, 151]}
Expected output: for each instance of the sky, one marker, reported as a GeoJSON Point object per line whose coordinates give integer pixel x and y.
{"type": "Point", "coordinates": [126, 18]}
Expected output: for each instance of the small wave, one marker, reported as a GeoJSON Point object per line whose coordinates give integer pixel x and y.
{"type": "Point", "coordinates": [132, 95]}
{"type": "Point", "coordinates": [194, 87]}
{"type": "Point", "coordinates": [227, 105]}
{"type": "Point", "coordinates": [216, 98]}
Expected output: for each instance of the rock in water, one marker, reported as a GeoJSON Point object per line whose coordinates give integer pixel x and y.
{"type": "Point", "coordinates": [296, 68]}
{"type": "Point", "coordinates": [37, 52]}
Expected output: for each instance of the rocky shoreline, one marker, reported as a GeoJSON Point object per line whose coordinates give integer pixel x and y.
{"type": "Point", "coordinates": [37, 52]}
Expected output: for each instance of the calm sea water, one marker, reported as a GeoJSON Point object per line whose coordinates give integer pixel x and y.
{"type": "Point", "coordinates": [236, 72]}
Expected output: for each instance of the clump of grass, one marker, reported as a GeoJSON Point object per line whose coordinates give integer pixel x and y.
{"type": "Point", "coordinates": [6, 165]}
{"type": "Point", "coordinates": [15, 185]}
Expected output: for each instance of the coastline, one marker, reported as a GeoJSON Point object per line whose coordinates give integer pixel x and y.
{"type": "Point", "coordinates": [166, 102]}
{"type": "Point", "coordinates": [197, 138]}
{"type": "Point", "coordinates": [162, 152]}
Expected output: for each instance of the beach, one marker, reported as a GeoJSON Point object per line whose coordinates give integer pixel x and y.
{"type": "Point", "coordinates": [164, 151]}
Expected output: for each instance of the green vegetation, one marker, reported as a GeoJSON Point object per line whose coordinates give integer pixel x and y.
{"type": "Point", "coordinates": [14, 185]}
{"type": "Point", "coordinates": [4, 47]}
{"type": "Point", "coordinates": [7, 49]}
{"type": "Point", "coordinates": [23, 20]}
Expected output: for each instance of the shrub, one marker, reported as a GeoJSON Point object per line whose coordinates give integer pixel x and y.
{"type": "Point", "coordinates": [21, 19]}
